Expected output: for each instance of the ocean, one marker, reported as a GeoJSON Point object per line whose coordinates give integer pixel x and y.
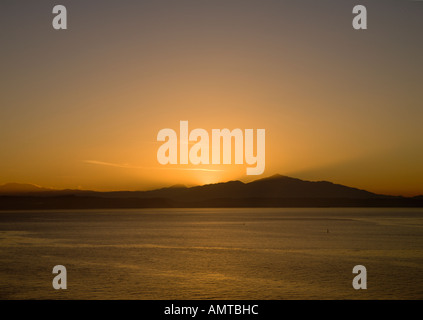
{"type": "Point", "coordinates": [254, 254]}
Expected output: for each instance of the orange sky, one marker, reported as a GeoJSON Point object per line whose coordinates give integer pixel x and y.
{"type": "Point", "coordinates": [81, 108]}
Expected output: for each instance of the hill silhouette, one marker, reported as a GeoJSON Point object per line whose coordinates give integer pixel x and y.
{"type": "Point", "coordinates": [274, 191]}
{"type": "Point", "coordinates": [13, 188]}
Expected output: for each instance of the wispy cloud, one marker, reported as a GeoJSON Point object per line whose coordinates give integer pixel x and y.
{"type": "Point", "coordinates": [127, 166]}
{"type": "Point", "coordinates": [117, 165]}
{"type": "Point", "coordinates": [193, 169]}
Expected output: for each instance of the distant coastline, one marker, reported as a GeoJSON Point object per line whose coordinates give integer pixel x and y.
{"type": "Point", "coordinates": [77, 202]}
{"type": "Point", "coordinates": [275, 191]}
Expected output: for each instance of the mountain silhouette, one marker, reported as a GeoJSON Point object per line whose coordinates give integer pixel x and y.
{"type": "Point", "coordinates": [276, 186]}
{"type": "Point", "coordinates": [13, 188]}
{"type": "Point", "coordinates": [274, 191]}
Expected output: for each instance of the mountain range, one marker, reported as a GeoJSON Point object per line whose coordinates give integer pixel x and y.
{"type": "Point", "coordinates": [274, 191]}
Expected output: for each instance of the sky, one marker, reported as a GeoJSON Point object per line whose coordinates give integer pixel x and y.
{"type": "Point", "coordinates": [82, 107]}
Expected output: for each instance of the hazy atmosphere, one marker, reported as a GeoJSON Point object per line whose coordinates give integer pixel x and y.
{"type": "Point", "coordinates": [81, 108]}
{"type": "Point", "coordinates": [211, 150]}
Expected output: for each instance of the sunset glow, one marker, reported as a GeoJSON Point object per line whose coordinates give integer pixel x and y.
{"type": "Point", "coordinates": [82, 108]}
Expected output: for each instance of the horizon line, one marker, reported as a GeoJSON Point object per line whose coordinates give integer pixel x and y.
{"type": "Point", "coordinates": [276, 175]}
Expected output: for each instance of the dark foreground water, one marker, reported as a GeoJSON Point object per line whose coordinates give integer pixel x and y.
{"type": "Point", "coordinates": [212, 253]}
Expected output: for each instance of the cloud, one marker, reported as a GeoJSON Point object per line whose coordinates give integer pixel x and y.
{"type": "Point", "coordinates": [117, 165]}
{"type": "Point", "coordinates": [127, 166]}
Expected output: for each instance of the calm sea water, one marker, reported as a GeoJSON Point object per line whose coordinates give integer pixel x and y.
{"type": "Point", "coordinates": [212, 253]}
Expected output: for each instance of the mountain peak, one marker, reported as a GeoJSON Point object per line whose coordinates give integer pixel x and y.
{"type": "Point", "coordinates": [276, 177]}
{"type": "Point", "coordinates": [178, 186]}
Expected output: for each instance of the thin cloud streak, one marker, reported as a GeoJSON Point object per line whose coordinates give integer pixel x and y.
{"type": "Point", "coordinates": [117, 165]}
{"type": "Point", "coordinates": [126, 166]}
